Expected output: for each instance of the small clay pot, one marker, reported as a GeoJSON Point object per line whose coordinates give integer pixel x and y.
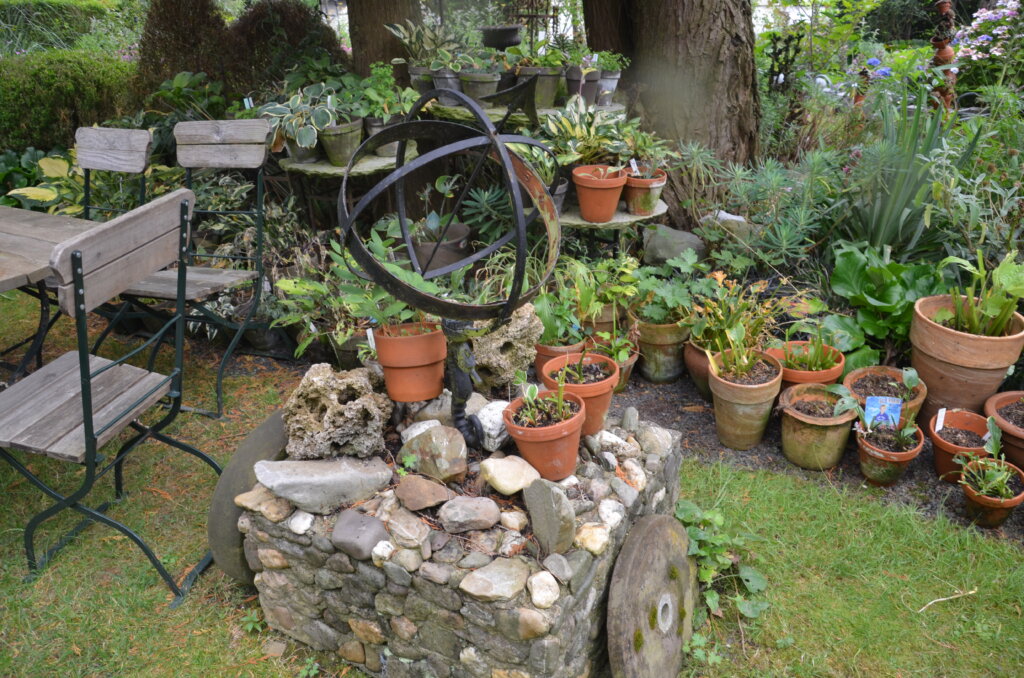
{"type": "Point", "coordinates": [1013, 436]}
{"type": "Point", "coordinates": [341, 141]}
{"type": "Point", "coordinates": [642, 195]}
{"type": "Point", "coordinates": [944, 453]}
{"type": "Point", "coordinates": [742, 410]}
{"type": "Point", "coordinates": [989, 511]}
{"type": "Point", "coordinates": [661, 351]}
{"type": "Point", "coordinates": [412, 356]}
{"type": "Point", "coordinates": [598, 191]}
{"type": "Point", "coordinates": [625, 372]}
{"type": "Point", "coordinates": [911, 407]}
{"type": "Point", "coordinates": [791, 377]}
{"type": "Point", "coordinates": [696, 361]}
{"type": "Point", "coordinates": [815, 443]}
{"type": "Point", "coordinates": [546, 353]}
{"type": "Point", "coordinates": [552, 450]}
{"type": "Point", "coordinates": [598, 395]}
{"type": "Point", "coordinates": [882, 467]}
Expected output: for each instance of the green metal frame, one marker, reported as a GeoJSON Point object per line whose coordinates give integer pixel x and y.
{"type": "Point", "coordinates": [96, 466]}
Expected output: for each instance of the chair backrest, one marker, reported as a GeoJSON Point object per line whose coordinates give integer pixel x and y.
{"type": "Point", "coordinates": [122, 251]}
{"type": "Point", "coordinates": [116, 150]}
{"type": "Point", "coordinates": [234, 144]}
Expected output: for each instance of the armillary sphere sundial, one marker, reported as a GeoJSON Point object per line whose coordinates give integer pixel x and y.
{"type": "Point", "coordinates": [481, 145]}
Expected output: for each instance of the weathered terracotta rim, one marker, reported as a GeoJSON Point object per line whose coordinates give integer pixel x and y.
{"type": "Point", "coordinates": [539, 434]}
{"type": "Point", "coordinates": [798, 392]}
{"type": "Point", "coordinates": [772, 360]}
{"type": "Point", "coordinates": [951, 448]}
{"type": "Point", "coordinates": [612, 180]}
{"type": "Point", "coordinates": [650, 331]}
{"type": "Point", "coordinates": [808, 376]}
{"type": "Point", "coordinates": [887, 455]}
{"type": "Point", "coordinates": [992, 502]}
{"type": "Point", "coordinates": [584, 390]}
{"type": "Point", "coordinates": [1018, 322]}
{"type": "Point", "coordinates": [854, 376]}
{"type": "Point", "coordinates": [999, 400]}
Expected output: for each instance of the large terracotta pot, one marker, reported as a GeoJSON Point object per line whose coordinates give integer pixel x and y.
{"type": "Point", "coordinates": [1013, 436]}
{"type": "Point", "coordinates": [882, 467]}
{"type": "Point", "coordinates": [341, 141]}
{"type": "Point", "coordinates": [546, 353]}
{"type": "Point", "coordinates": [815, 443]}
{"type": "Point", "coordinates": [598, 395]}
{"type": "Point", "coordinates": [911, 407]}
{"type": "Point", "coordinates": [962, 370]}
{"type": "Point", "coordinates": [697, 365]}
{"type": "Point", "coordinates": [641, 195]}
{"type": "Point", "coordinates": [944, 453]}
{"type": "Point", "coordinates": [412, 356]}
{"type": "Point", "coordinates": [791, 376]}
{"type": "Point", "coordinates": [661, 351]}
{"type": "Point", "coordinates": [989, 511]}
{"type": "Point", "coordinates": [552, 450]}
{"type": "Point", "coordinates": [741, 410]}
{"type": "Point", "coordinates": [598, 191]}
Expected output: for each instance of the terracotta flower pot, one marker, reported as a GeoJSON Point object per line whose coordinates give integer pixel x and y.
{"type": "Point", "coordinates": [598, 191]}
{"type": "Point", "coordinates": [989, 511]}
{"type": "Point", "coordinates": [882, 467]}
{"type": "Point", "coordinates": [546, 353]}
{"type": "Point", "coordinates": [791, 376]}
{"type": "Point", "coordinates": [625, 372]}
{"type": "Point", "coordinates": [412, 356]}
{"type": "Point", "coordinates": [944, 453]}
{"type": "Point", "coordinates": [598, 395]}
{"type": "Point", "coordinates": [552, 450]}
{"type": "Point", "coordinates": [962, 370]}
{"type": "Point", "coordinates": [742, 410]}
{"type": "Point", "coordinates": [341, 141]}
{"type": "Point", "coordinates": [815, 443]}
{"type": "Point", "coordinates": [606, 321]}
{"type": "Point", "coordinates": [1013, 436]}
{"type": "Point", "coordinates": [697, 365]}
{"type": "Point", "coordinates": [642, 195]}
{"type": "Point", "coordinates": [911, 407]}
{"type": "Point", "coordinates": [661, 351]}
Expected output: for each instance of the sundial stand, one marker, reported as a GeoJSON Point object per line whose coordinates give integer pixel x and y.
{"type": "Point", "coordinates": [460, 373]}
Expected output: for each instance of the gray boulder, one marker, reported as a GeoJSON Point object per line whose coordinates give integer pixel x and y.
{"type": "Point", "coordinates": [322, 485]}
{"type": "Point", "coordinates": [662, 243]}
{"type": "Point", "coordinates": [440, 453]}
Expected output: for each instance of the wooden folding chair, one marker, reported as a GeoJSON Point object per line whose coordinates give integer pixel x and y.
{"type": "Point", "coordinates": [79, 402]}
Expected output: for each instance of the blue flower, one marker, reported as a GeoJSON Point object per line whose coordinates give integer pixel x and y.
{"type": "Point", "coordinates": [985, 38]}
{"type": "Point", "coordinates": [883, 72]}
{"type": "Point", "coordinates": [874, 62]}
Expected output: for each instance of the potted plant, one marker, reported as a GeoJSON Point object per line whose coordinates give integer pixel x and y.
{"type": "Point", "coordinates": [562, 334]}
{"type": "Point", "coordinates": [603, 291]}
{"type": "Point", "coordinates": [646, 176]}
{"type": "Point", "coordinates": [744, 383]}
{"type": "Point", "coordinates": [385, 104]}
{"type": "Point", "coordinates": [479, 77]}
{"type": "Point", "coordinates": [598, 188]}
{"type": "Point", "coordinates": [664, 301]}
{"type": "Point", "coordinates": [582, 75]}
{"type": "Point", "coordinates": [884, 449]}
{"type": "Point", "coordinates": [546, 167]}
{"type": "Point", "coordinates": [956, 435]}
{"type": "Point", "coordinates": [422, 42]}
{"type": "Point", "coordinates": [622, 348]}
{"type": "Point", "coordinates": [611, 65]}
{"type": "Point", "coordinates": [543, 62]}
{"type": "Point", "coordinates": [341, 139]}
{"type": "Point", "coordinates": [579, 135]}
{"type": "Point", "coordinates": [591, 376]}
{"type": "Point", "coordinates": [438, 239]}
{"type": "Point", "coordinates": [992, 486]}
{"type": "Point", "coordinates": [813, 435]}
{"type": "Point", "coordinates": [546, 427]}
{"type": "Point", "coordinates": [297, 122]}
{"type": "Point", "coordinates": [964, 342]}
{"type": "Point", "coordinates": [809, 361]}
{"type": "Point", "coordinates": [1007, 409]}
{"type": "Point", "coordinates": [444, 69]}
{"type": "Point", "coordinates": [881, 380]}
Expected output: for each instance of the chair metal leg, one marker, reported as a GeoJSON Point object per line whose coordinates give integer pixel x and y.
{"type": "Point", "coordinates": [35, 341]}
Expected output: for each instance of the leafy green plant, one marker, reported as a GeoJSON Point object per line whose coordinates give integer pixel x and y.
{"type": "Point", "coordinates": [612, 61]}
{"type": "Point", "coordinates": [617, 345]}
{"type": "Point", "coordinates": [665, 293]}
{"type": "Point", "coordinates": [558, 315]}
{"type": "Point", "coordinates": [423, 41]}
{"type": "Point", "coordinates": [252, 621]}
{"type": "Point", "coordinates": [383, 96]}
{"type": "Point", "coordinates": [310, 669]}
{"type": "Point", "coordinates": [815, 355]}
{"type": "Point", "coordinates": [536, 410]}
{"type": "Point", "coordinates": [650, 152]}
{"type": "Point", "coordinates": [541, 54]}
{"type": "Point", "coordinates": [989, 476]}
{"type": "Point", "coordinates": [607, 282]}
{"type": "Point", "coordinates": [488, 210]}
{"type": "Point", "coordinates": [577, 134]}
{"type": "Point", "coordinates": [722, 306]}
{"type": "Point", "coordinates": [302, 117]}
{"type": "Point", "coordinates": [986, 306]}
{"type": "Point", "coordinates": [433, 226]}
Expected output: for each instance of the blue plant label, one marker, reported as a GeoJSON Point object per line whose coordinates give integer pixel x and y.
{"type": "Point", "coordinates": [882, 412]}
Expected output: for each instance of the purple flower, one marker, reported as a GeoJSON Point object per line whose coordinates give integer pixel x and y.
{"type": "Point", "coordinates": [874, 62]}
{"type": "Point", "coordinates": [985, 38]}
{"type": "Point", "coordinates": [884, 72]}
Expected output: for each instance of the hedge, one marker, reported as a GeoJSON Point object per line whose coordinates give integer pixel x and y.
{"type": "Point", "coordinates": [52, 23]}
{"type": "Point", "coordinates": [45, 96]}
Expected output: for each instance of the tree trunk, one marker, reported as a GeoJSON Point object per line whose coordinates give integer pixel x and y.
{"type": "Point", "coordinates": [693, 66]}
{"type": "Point", "coordinates": [370, 40]}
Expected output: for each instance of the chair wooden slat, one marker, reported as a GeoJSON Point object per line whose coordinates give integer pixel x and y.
{"type": "Point", "coordinates": [118, 150]}
{"type": "Point", "coordinates": [201, 283]}
{"type": "Point", "coordinates": [223, 155]}
{"type": "Point", "coordinates": [222, 131]}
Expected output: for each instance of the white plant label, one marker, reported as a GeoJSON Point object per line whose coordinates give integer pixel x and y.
{"type": "Point", "coordinates": [986, 436]}
{"type": "Point", "coordinates": [940, 420]}
{"type": "Point", "coordinates": [370, 341]}
{"type": "Point", "coordinates": [632, 166]}
{"type": "Point", "coordinates": [248, 102]}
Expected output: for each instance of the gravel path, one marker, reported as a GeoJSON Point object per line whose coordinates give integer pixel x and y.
{"type": "Point", "coordinates": [678, 405]}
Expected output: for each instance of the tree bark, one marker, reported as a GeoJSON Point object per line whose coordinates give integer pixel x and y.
{"type": "Point", "coordinates": [694, 71]}
{"type": "Point", "coordinates": [370, 40]}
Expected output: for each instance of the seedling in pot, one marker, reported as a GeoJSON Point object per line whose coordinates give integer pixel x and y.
{"type": "Point", "coordinates": [538, 411]}
{"type": "Point", "coordinates": [902, 437]}
{"type": "Point", "coordinates": [814, 356]}
{"type": "Point", "coordinates": [988, 476]}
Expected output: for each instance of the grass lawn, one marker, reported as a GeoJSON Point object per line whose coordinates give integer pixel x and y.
{"type": "Point", "coordinates": [848, 573]}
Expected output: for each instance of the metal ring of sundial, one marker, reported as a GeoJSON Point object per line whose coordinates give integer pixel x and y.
{"type": "Point", "coordinates": [453, 138]}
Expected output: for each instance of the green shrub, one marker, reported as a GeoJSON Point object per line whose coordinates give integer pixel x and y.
{"type": "Point", "coordinates": [35, 24]}
{"type": "Point", "coordinates": [45, 96]}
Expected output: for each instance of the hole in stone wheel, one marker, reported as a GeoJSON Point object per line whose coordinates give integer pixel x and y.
{"type": "Point", "coordinates": [665, 612]}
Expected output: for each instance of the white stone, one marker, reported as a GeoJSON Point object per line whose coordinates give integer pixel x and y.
{"type": "Point", "coordinates": [381, 552]}
{"type": "Point", "coordinates": [300, 522]}
{"type": "Point", "coordinates": [508, 475]}
{"type": "Point", "coordinates": [514, 520]}
{"type": "Point", "coordinates": [606, 441]}
{"type": "Point", "coordinates": [418, 427]}
{"type": "Point", "coordinates": [566, 483]}
{"type": "Point", "coordinates": [322, 485]}
{"type": "Point", "coordinates": [610, 458]}
{"type": "Point", "coordinates": [635, 474]}
{"type": "Point", "coordinates": [594, 537]}
{"type": "Point", "coordinates": [655, 440]}
{"type": "Point", "coordinates": [659, 496]}
{"type": "Point", "coordinates": [493, 425]}
{"type": "Point", "coordinates": [544, 589]}
{"type": "Point", "coordinates": [611, 512]}
{"type": "Point", "coordinates": [512, 543]}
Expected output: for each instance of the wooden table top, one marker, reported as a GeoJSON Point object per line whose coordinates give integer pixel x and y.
{"type": "Point", "coordinates": [26, 240]}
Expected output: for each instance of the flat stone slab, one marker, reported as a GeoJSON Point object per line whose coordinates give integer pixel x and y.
{"type": "Point", "coordinates": [620, 221]}
{"type": "Point", "coordinates": [417, 493]}
{"type": "Point", "coordinates": [322, 485]}
{"type": "Point", "coordinates": [502, 579]}
{"type": "Point", "coordinates": [355, 534]}
{"type": "Point", "coordinates": [551, 515]}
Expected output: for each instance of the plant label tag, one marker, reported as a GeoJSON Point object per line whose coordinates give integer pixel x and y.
{"type": "Point", "coordinates": [632, 166]}
{"type": "Point", "coordinates": [882, 412]}
{"type": "Point", "coordinates": [369, 339]}
{"type": "Point", "coordinates": [247, 101]}
{"type": "Point", "coordinates": [330, 101]}
{"type": "Point", "coordinates": [940, 419]}
{"type": "Point", "coordinates": [987, 436]}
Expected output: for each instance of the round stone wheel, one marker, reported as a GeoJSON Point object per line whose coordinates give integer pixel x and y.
{"type": "Point", "coordinates": [267, 441]}
{"type": "Point", "coordinates": [651, 599]}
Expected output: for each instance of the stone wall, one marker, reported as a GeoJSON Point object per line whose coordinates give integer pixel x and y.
{"type": "Point", "coordinates": [422, 579]}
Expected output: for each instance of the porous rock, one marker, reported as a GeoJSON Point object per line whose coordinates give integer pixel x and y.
{"type": "Point", "coordinates": [493, 425]}
{"type": "Point", "coordinates": [508, 349]}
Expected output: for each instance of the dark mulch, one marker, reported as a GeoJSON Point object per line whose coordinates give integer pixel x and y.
{"type": "Point", "coordinates": [761, 373]}
{"type": "Point", "coordinates": [1013, 413]}
{"type": "Point", "coordinates": [814, 408]}
{"type": "Point", "coordinates": [592, 373]}
{"type": "Point", "coordinates": [545, 414]}
{"type": "Point", "coordinates": [888, 439]}
{"type": "Point", "coordinates": [878, 385]}
{"type": "Point", "coordinates": [678, 405]}
{"type": "Point", "coordinates": [961, 437]}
